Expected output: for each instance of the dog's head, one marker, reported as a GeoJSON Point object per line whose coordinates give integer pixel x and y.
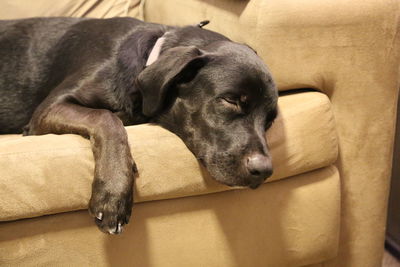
{"type": "Point", "coordinates": [220, 101]}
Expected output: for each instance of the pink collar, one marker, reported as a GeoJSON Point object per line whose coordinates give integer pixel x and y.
{"type": "Point", "coordinates": [155, 52]}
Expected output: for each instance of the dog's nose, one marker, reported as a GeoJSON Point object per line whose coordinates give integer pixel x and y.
{"type": "Point", "coordinates": [259, 166]}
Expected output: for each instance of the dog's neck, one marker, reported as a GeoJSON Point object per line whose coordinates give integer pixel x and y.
{"type": "Point", "coordinates": [155, 51]}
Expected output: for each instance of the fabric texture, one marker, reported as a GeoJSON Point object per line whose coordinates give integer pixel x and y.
{"type": "Point", "coordinates": [15, 9]}
{"type": "Point", "coordinates": [350, 51]}
{"type": "Point", "coordinates": [57, 171]}
{"type": "Point", "coordinates": [332, 216]}
{"type": "Point", "coordinates": [292, 222]}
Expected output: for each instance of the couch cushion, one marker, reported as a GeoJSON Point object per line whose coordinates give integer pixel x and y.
{"type": "Point", "coordinates": [53, 173]}
{"type": "Point", "coordinates": [293, 222]}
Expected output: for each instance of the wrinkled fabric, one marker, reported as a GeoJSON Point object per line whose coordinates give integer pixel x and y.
{"type": "Point", "coordinates": [16, 9]}
{"type": "Point", "coordinates": [292, 222]}
{"type": "Point", "coordinates": [350, 51]}
{"type": "Point", "coordinates": [53, 173]}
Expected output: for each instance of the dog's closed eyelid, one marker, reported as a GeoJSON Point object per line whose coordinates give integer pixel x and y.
{"type": "Point", "coordinates": [230, 104]}
{"type": "Point", "coordinates": [235, 99]}
{"type": "Point", "coordinates": [230, 101]}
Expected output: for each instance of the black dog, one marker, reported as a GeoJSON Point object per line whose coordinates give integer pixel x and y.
{"type": "Point", "coordinates": [93, 76]}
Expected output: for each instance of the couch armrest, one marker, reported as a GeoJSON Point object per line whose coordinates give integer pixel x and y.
{"type": "Point", "coordinates": [346, 49]}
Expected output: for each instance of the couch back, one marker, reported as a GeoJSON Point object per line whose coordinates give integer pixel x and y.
{"type": "Point", "coordinates": [15, 9]}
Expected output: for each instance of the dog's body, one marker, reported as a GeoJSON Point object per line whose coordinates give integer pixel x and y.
{"type": "Point", "coordinates": [89, 77]}
{"type": "Point", "coordinates": [37, 55]}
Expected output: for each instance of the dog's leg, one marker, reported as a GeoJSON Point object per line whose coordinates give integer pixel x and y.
{"type": "Point", "coordinates": [112, 189]}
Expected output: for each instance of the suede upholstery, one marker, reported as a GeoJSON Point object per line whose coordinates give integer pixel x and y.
{"type": "Point", "coordinates": [312, 145]}
{"type": "Point", "coordinates": [292, 227]}
{"type": "Point", "coordinates": [332, 150]}
{"type": "Point", "coordinates": [13, 9]}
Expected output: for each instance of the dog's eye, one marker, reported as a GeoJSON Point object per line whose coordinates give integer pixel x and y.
{"type": "Point", "coordinates": [232, 104]}
{"type": "Point", "coordinates": [230, 101]}
{"type": "Point", "coordinates": [240, 101]}
{"type": "Point", "coordinates": [235, 103]}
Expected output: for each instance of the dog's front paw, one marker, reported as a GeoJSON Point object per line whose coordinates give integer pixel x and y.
{"type": "Point", "coordinates": [111, 210]}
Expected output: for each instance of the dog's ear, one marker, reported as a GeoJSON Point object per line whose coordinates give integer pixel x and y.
{"type": "Point", "coordinates": [176, 65]}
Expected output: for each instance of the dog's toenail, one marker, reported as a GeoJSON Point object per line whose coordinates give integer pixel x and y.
{"type": "Point", "coordinates": [99, 216]}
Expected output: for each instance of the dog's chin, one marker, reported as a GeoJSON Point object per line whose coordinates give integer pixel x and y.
{"type": "Point", "coordinates": [240, 185]}
{"type": "Point", "coordinates": [235, 183]}
{"type": "Point", "coordinates": [240, 182]}
{"type": "Point", "coordinates": [255, 186]}
{"type": "Point", "coordinates": [228, 180]}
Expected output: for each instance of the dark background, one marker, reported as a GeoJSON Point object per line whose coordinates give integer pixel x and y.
{"type": "Point", "coordinates": [393, 222]}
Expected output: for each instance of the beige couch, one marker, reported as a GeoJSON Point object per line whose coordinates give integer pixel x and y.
{"type": "Point", "coordinates": [332, 147]}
